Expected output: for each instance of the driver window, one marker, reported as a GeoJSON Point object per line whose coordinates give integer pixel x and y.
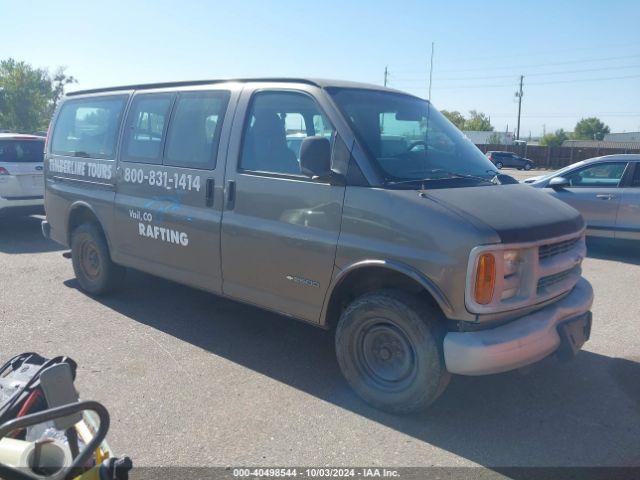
{"type": "Point", "coordinates": [599, 175]}
{"type": "Point", "coordinates": [278, 122]}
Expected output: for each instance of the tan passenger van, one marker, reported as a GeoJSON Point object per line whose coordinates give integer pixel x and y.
{"type": "Point", "coordinates": [352, 207]}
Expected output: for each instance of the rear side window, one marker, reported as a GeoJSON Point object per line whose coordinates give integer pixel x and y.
{"type": "Point", "coordinates": [146, 127]}
{"type": "Point", "coordinates": [88, 127]}
{"type": "Point", "coordinates": [21, 151]}
{"type": "Point", "coordinates": [194, 129]}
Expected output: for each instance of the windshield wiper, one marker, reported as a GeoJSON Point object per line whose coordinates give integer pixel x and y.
{"type": "Point", "coordinates": [81, 154]}
{"type": "Point", "coordinates": [450, 175]}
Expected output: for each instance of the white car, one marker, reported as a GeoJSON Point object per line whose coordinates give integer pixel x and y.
{"type": "Point", "coordinates": [21, 173]}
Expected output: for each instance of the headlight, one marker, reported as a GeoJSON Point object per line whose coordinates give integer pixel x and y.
{"type": "Point", "coordinates": [511, 267]}
{"type": "Point", "coordinates": [498, 276]}
{"type": "Point", "coordinates": [511, 261]}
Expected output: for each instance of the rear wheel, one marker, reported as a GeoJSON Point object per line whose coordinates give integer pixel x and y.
{"type": "Point", "coordinates": [389, 347]}
{"type": "Point", "coordinates": [499, 165]}
{"type": "Point", "coordinates": [92, 264]}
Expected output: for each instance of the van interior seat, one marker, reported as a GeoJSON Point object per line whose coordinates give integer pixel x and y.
{"type": "Point", "coordinates": [266, 146]}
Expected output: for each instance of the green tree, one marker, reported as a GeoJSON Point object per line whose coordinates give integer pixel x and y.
{"type": "Point", "coordinates": [60, 81]}
{"type": "Point", "coordinates": [494, 139]}
{"type": "Point", "coordinates": [28, 95]}
{"type": "Point", "coordinates": [554, 139]}
{"type": "Point", "coordinates": [454, 117]}
{"type": "Point", "coordinates": [591, 128]}
{"type": "Point", "coordinates": [478, 121]}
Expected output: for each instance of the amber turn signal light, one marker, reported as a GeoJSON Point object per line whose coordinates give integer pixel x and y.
{"type": "Point", "coordinates": [485, 279]}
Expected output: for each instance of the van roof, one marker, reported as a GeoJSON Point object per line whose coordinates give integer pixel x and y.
{"type": "Point", "coordinates": [19, 136]}
{"type": "Point", "coordinates": [322, 83]}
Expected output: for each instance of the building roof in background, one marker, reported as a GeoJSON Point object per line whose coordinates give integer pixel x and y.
{"type": "Point", "coordinates": [601, 144]}
{"type": "Point", "coordinates": [622, 137]}
{"type": "Point", "coordinates": [480, 137]}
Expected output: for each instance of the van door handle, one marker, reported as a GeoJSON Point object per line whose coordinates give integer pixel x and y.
{"type": "Point", "coordinates": [605, 196]}
{"type": "Point", "coordinates": [231, 194]}
{"type": "Point", "coordinates": [209, 193]}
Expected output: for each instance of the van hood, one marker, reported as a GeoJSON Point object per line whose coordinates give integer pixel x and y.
{"type": "Point", "coordinates": [517, 213]}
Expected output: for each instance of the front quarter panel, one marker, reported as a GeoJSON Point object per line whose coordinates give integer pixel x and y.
{"type": "Point", "coordinates": [403, 228]}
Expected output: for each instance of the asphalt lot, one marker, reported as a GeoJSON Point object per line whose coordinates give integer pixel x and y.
{"type": "Point", "coordinates": [191, 379]}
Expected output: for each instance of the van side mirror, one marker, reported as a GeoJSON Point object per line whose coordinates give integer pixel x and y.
{"type": "Point", "coordinates": [315, 156]}
{"type": "Point", "coordinates": [558, 183]}
{"type": "Point", "coordinates": [315, 160]}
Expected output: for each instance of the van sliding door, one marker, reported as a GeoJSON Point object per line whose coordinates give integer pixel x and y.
{"type": "Point", "coordinates": [169, 189]}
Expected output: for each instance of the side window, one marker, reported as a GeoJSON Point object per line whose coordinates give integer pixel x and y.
{"type": "Point", "coordinates": [277, 124]}
{"type": "Point", "coordinates": [598, 175]}
{"type": "Point", "coordinates": [146, 124]}
{"type": "Point", "coordinates": [636, 176]}
{"type": "Point", "coordinates": [88, 127]}
{"type": "Point", "coordinates": [194, 129]}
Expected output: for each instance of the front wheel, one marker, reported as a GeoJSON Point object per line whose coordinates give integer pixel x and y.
{"type": "Point", "coordinates": [499, 165]}
{"type": "Point", "coordinates": [389, 348]}
{"type": "Point", "coordinates": [92, 264]}
{"type": "Point", "coordinates": [528, 166]}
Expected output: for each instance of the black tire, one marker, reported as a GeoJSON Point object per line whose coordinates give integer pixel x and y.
{"type": "Point", "coordinates": [499, 165]}
{"type": "Point", "coordinates": [92, 264]}
{"type": "Point", "coordinates": [528, 166]}
{"type": "Point", "coordinates": [389, 348]}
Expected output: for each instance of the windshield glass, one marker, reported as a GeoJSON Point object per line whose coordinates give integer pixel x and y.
{"type": "Point", "coordinates": [409, 140]}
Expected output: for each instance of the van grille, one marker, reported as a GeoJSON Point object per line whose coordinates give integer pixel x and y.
{"type": "Point", "coordinates": [550, 280]}
{"type": "Point", "coordinates": [553, 249]}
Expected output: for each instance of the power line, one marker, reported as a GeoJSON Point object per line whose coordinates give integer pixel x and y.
{"type": "Point", "coordinates": [586, 80]}
{"type": "Point", "coordinates": [552, 115]}
{"type": "Point", "coordinates": [566, 62]}
{"type": "Point", "coordinates": [555, 82]}
{"type": "Point", "coordinates": [546, 52]}
{"type": "Point", "coordinates": [534, 74]}
{"type": "Point", "coordinates": [567, 115]}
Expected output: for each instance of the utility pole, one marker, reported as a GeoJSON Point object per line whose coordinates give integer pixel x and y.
{"type": "Point", "coordinates": [431, 68]}
{"type": "Point", "coordinates": [386, 76]}
{"type": "Point", "coordinates": [519, 95]}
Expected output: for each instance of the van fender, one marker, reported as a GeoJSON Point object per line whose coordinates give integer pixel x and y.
{"type": "Point", "coordinates": [82, 204]}
{"type": "Point", "coordinates": [399, 267]}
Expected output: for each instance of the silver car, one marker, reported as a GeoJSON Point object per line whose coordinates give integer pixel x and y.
{"type": "Point", "coordinates": [21, 173]}
{"type": "Point", "coordinates": [606, 190]}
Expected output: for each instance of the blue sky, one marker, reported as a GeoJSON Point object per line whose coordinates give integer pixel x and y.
{"type": "Point", "coordinates": [481, 47]}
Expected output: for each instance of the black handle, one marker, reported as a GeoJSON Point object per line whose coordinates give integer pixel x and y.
{"type": "Point", "coordinates": [209, 193]}
{"type": "Point", "coordinates": [231, 194]}
{"type": "Point", "coordinates": [47, 415]}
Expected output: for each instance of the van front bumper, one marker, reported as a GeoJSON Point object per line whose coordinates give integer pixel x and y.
{"type": "Point", "coordinates": [516, 344]}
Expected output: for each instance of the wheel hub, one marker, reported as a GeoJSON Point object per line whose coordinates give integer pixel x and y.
{"type": "Point", "coordinates": [90, 260]}
{"type": "Point", "coordinates": [387, 353]}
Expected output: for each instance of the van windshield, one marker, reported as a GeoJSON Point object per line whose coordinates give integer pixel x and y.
{"type": "Point", "coordinates": [410, 141]}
